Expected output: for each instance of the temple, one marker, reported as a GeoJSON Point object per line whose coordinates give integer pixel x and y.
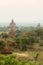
{"type": "Point", "coordinates": [38, 26]}
{"type": "Point", "coordinates": [12, 29]}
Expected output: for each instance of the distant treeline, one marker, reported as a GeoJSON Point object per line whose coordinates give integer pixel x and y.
{"type": "Point", "coordinates": [3, 29]}
{"type": "Point", "coordinates": [23, 29]}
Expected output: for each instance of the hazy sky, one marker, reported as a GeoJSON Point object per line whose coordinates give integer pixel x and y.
{"type": "Point", "coordinates": [24, 12]}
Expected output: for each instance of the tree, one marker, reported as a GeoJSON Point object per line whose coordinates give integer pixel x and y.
{"type": "Point", "coordinates": [2, 44]}
{"type": "Point", "coordinates": [4, 35]}
{"type": "Point", "coordinates": [39, 33]}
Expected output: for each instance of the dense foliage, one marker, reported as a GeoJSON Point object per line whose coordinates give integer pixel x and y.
{"type": "Point", "coordinates": [24, 41]}
{"type": "Point", "coordinates": [13, 60]}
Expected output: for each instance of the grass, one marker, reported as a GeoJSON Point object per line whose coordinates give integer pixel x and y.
{"type": "Point", "coordinates": [22, 58]}
{"type": "Point", "coordinates": [30, 54]}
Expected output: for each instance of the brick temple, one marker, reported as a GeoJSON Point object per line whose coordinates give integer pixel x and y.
{"type": "Point", "coordinates": [12, 29]}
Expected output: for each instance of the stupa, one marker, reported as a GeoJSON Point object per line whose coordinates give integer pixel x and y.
{"type": "Point", "coordinates": [12, 29]}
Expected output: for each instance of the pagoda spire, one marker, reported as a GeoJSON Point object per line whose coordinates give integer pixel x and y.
{"type": "Point", "coordinates": [12, 28]}
{"type": "Point", "coordinates": [38, 26]}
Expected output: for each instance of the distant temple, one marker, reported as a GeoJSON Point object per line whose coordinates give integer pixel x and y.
{"type": "Point", "coordinates": [38, 26]}
{"type": "Point", "coordinates": [12, 29]}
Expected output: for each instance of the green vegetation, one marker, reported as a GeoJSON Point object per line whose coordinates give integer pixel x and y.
{"type": "Point", "coordinates": [13, 60]}
{"type": "Point", "coordinates": [25, 40]}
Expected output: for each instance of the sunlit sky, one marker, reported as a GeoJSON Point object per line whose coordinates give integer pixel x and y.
{"type": "Point", "coordinates": [24, 12]}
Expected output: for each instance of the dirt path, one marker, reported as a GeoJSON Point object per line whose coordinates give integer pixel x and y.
{"type": "Point", "coordinates": [21, 54]}
{"type": "Point", "coordinates": [29, 54]}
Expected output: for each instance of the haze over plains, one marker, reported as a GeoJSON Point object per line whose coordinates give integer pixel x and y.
{"type": "Point", "coordinates": [24, 12]}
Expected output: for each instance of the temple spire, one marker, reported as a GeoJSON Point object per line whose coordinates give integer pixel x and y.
{"type": "Point", "coordinates": [12, 28]}
{"type": "Point", "coordinates": [38, 26]}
